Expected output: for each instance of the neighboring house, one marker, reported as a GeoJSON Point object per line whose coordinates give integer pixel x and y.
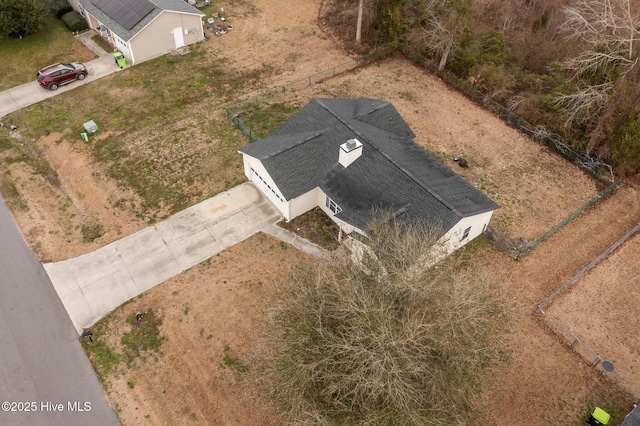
{"type": "Point", "coordinates": [143, 29]}
{"type": "Point", "coordinates": [350, 156]}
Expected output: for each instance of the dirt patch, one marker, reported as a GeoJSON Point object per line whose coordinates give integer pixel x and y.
{"type": "Point", "coordinates": [59, 219]}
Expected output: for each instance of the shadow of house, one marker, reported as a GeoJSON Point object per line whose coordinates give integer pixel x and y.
{"type": "Point", "coordinates": [143, 29]}
{"type": "Point", "coordinates": [351, 156]}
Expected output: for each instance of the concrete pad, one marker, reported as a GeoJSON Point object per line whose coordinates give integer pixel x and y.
{"type": "Point", "coordinates": [262, 213]}
{"type": "Point", "coordinates": [92, 267]}
{"type": "Point", "coordinates": [108, 293]}
{"type": "Point", "coordinates": [193, 250]}
{"type": "Point", "coordinates": [154, 270]}
{"type": "Point", "coordinates": [92, 285]}
{"type": "Point", "coordinates": [79, 310]}
{"type": "Point", "coordinates": [62, 278]}
{"type": "Point", "coordinates": [244, 195]}
{"type": "Point", "coordinates": [214, 209]}
{"type": "Point", "coordinates": [179, 226]}
{"type": "Point", "coordinates": [139, 246]}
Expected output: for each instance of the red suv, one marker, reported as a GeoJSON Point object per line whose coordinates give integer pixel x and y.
{"type": "Point", "coordinates": [56, 75]}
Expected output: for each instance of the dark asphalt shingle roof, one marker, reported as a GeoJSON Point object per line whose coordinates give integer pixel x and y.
{"type": "Point", "coordinates": [392, 172]}
{"type": "Point", "coordinates": [159, 6]}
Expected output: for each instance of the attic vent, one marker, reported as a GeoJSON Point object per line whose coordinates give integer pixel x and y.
{"type": "Point", "coordinates": [350, 151]}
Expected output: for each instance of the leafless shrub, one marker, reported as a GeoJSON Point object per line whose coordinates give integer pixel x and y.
{"type": "Point", "coordinates": [406, 344]}
{"type": "Point", "coordinates": [514, 101]}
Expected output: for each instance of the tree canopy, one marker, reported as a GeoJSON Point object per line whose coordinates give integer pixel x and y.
{"type": "Point", "coordinates": [19, 18]}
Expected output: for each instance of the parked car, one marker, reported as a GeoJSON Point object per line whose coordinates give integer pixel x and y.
{"type": "Point", "coordinates": [55, 75]}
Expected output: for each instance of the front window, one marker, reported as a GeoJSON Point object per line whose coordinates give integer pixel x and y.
{"type": "Point", "coordinates": [331, 205]}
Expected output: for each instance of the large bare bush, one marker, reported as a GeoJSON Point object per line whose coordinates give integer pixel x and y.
{"type": "Point", "coordinates": [385, 340]}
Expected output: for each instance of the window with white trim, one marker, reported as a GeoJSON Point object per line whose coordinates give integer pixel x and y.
{"type": "Point", "coordinates": [331, 205]}
{"type": "Point", "coordinates": [465, 234]}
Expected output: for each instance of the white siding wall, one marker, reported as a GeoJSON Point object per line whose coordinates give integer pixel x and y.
{"type": "Point", "coordinates": [452, 240]}
{"type": "Point", "coordinates": [303, 203]}
{"type": "Point", "coordinates": [157, 38]}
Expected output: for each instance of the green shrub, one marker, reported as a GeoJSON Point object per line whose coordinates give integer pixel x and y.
{"type": "Point", "coordinates": [62, 9]}
{"type": "Point", "coordinates": [625, 152]}
{"type": "Point", "coordinates": [74, 21]}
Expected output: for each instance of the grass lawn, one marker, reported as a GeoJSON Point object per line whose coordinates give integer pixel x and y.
{"type": "Point", "coordinates": [163, 128]}
{"type": "Point", "coordinates": [28, 55]}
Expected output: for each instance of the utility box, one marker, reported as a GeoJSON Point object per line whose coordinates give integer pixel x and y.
{"type": "Point", "coordinates": [120, 59]}
{"type": "Point", "coordinates": [91, 126]}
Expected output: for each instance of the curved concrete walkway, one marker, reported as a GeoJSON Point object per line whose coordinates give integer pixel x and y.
{"type": "Point", "coordinates": [92, 285]}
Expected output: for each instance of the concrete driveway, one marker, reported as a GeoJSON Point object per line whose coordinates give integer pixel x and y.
{"type": "Point", "coordinates": [92, 285]}
{"type": "Point", "coordinates": [30, 93]}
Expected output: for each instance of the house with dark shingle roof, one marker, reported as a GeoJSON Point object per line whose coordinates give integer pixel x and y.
{"type": "Point", "coordinates": [351, 156]}
{"type": "Point", "coordinates": [143, 29]}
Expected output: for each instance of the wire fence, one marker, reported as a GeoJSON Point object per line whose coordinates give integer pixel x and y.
{"type": "Point", "coordinates": [277, 92]}
{"type": "Point", "coordinates": [526, 249]}
{"type": "Point", "coordinates": [539, 133]}
{"type": "Point", "coordinates": [596, 168]}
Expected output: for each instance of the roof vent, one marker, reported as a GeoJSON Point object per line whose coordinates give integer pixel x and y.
{"type": "Point", "coordinates": [350, 151]}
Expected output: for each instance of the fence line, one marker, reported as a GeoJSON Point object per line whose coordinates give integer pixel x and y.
{"type": "Point", "coordinates": [586, 269]}
{"type": "Point", "coordinates": [598, 169]}
{"type": "Point", "coordinates": [293, 86]}
{"type": "Point", "coordinates": [584, 351]}
{"type": "Point", "coordinates": [555, 228]}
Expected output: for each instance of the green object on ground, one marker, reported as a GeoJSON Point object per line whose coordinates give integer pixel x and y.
{"type": "Point", "coordinates": [600, 415]}
{"type": "Point", "coordinates": [120, 59]}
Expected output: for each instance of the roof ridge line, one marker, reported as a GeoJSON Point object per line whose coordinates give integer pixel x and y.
{"type": "Point", "coordinates": [385, 155]}
{"type": "Point", "coordinates": [313, 134]}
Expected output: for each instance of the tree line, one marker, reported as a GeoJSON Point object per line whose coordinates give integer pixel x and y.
{"type": "Point", "coordinates": [569, 65]}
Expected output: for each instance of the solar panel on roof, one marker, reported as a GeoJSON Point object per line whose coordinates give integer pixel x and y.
{"type": "Point", "coordinates": [125, 12]}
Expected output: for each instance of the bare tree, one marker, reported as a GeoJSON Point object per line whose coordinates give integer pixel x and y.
{"type": "Point", "coordinates": [446, 21]}
{"type": "Point", "coordinates": [610, 30]}
{"type": "Point", "coordinates": [390, 341]}
{"type": "Point", "coordinates": [359, 23]}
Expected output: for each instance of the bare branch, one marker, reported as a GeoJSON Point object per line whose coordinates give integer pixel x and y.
{"type": "Point", "coordinates": [610, 31]}
{"type": "Point", "coordinates": [583, 104]}
{"type": "Point", "coordinates": [409, 347]}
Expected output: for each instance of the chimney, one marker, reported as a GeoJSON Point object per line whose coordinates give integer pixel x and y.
{"type": "Point", "coordinates": [350, 151]}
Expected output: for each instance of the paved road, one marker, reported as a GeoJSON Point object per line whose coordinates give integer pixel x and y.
{"type": "Point", "coordinates": [94, 284]}
{"type": "Point", "coordinates": [41, 360]}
